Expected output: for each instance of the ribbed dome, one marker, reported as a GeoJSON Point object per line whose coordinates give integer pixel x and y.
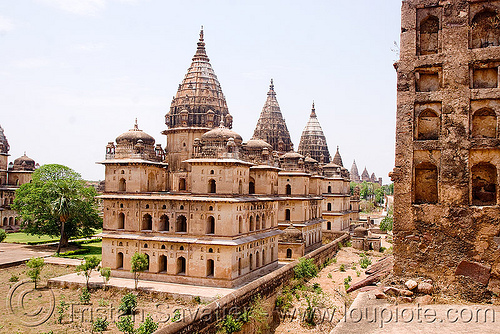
{"type": "Point", "coordinates": [222, 134]}
{"type": "Point", "coordinates": [258, 143]}
{"type": "Point", "coordinates": [313, 141]}
{"type": "Point", "coordinates": [133, 136]}
{"type": "Point", "coordinates": [24, 160]}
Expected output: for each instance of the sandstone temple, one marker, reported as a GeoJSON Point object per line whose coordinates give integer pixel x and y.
{"type": "Point", "coordinates": [211, 208]}
{"type": "Point", "coordinates": [447, 217]}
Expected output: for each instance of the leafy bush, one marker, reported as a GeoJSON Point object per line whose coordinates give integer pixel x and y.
{"type": "Point", "coordinates": [347, 282]}
{"type": "Point", "coordinates": [128, 303]}
{"type": "Point", "coordinates": [334, 260]}
{"type": "Point", "coordinates": [382, 249]}
{"type": "Point", "coordinates": [231, 325]}
{"type": "Point", "coordinates": [305, 269]}
{"type": "Point", "coordinates": [329, 275]}
{"type": "Point", "coordinates": [61, 308]}
{"type": "Point", "coordinates": [86, 267]}
{"type": "Point", "coordinates": [3, 234]}
{"type": "Point", "coordinates": [85, 296]}
{"type": "Point", "coordinates": [348, 244]}
{"type": "Point", "coordinates": [148, 326]}
{"type": "Point", "coordinates": [13, 278]}
{"type": "Point", "coordinates": [125, 325]}
{"type": "Point", "coordinates": [36, 264]}
{"type": "Point", "coordinates": [100, 325]}
{"type": "Point", "coordinates": [386, 223]}
{"type": "Point", "coordinates": [317, 288]}
{"type": "Point", "coordinates": [74, 252]}
{"type": "Point", "coordinates": [364, 262]}
{"type": "Point", "coordinates": [342, 267]}
{"type": "Point", "coordinates": [105, 274]}
{"type": "Point", "coordinates": [284, 300]}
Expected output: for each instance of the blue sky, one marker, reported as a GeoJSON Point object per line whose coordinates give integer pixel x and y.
{"type": "Point", "coordinates": [75, 73]}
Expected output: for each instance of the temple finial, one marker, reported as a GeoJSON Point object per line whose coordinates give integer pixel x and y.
{"type": "Point", "coordinates": [271, 87]}
{"type": "Point", "coordinates": [136, 126]}
{"type": "Point", "coordinates": [313, 110]}
{"type": "Point", "coordinates": [201, 34]}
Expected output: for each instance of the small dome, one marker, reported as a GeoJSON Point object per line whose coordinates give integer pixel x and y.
{"type": "Point", "coordinates": [332, 165]}
{"type": "Point", "coordinates": [258, 143]}
{"type": "Point", "coordinates": [134, 135]}
{"type": "Point", "coordinates": [221, 134]}
{"type": "Point", "coordinates": [310, 160]}
{"type": "Point", "coordinates": [24, 160]}
{"type": "Point", "coordinates": [360, 232]}
{"type": "Point", "coordinates": [292, 155]}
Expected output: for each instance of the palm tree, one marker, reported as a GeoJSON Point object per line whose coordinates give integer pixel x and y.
{"type": "Point", "coordinates": [62, 207]}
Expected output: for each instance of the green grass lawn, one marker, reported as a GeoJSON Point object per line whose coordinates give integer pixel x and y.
{"type": "Point", "coordinates": [24, 238]}
{"type": "Point", "coordinates": [95, 250]}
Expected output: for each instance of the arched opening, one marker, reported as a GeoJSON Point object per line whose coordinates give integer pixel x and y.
{"type": "Point", "coordinates": [429, 35]}
{"type": "Point", "coordinates": [151, 182]}
{"type": "Point", "coordinates": [145, 246]}
{"type": "Point", "coordinates": [181, 266]}
{"type": "Point", "coordinates": [212, 187]}
{"type": "Point", "coordinates": [121, 221]}
{"type": "Point", "coordinates": [484, 179]}
{"type": "Point", "coordinates": [211, 225]}
{"type": "Point", "coordinates": [181, 224]}
{"type": "Point", "coordinates": [240, 187]}
{"type": "Point", "coordinates": [426, 180]}
{"type": "Point", "coordinates": [122, 185]}
{"type": "Point", "coordinates": [257, 223]}
{"type": "Point", "coordinates": [484, 124]}
{"type": "Point", "coordinates": [257, 259]}
{"type": "Point", "coordinates": [287, 214]}
{"type": "Point", "coordinates": [149, 263]}
{"type": "Point", "coordinates": [182, 184]}
{"type": "Point", "coordinates": [328, 225]}
{"type": "Point", "coordinates": [162, 263]}
{"type": "Point", "coordinates": [329, 207]}
{"type": "Point", "coordinates": [5, 221]}
{"type": "Point", "coordinates": [239, 266]}
{"type": "Point", "coordinates": [147, 222]}
{"type": "Point", "coordinates": [251, 186]}
{"type": "Point", "coordinates": [11, 221]}
{"type": "Point", "coordinates": [119, 260]}
{"type": "Point", "coordinates": [263, 221]}
{"type": "Point", "coordinates": [485, 29]}
{"type": "Point", "coordinates": [164, 223]}
{"type": "Point", "coordinates": [428, 125]}
{"type": "Point", "coordinates": [288, 189]}
{"type": "Point", "coordinates": [288, 253]}
{"type": "Point", "coordinates": [250, 260]}
{"type": "Point", "coordinates": [210, 268]}
{"type": "Point", "coordinates": [329, 189]}
{"type": "Point", "coordinates": [263, 257]}
{"type": "Point", "coordinates": [251, 224]}
{"type": "Point", "coordinates": [240, 225]}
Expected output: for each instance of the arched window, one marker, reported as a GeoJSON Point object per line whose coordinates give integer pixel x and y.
{"type": "Point", "coordinates": [484, 180]}
{"type": "Point", "coordinates": [121, 221]}
{"type": "Point", "coordinates": [257, 259]}
{"type": "Point", "coordinates": [212, 187]}
{"type": "Point", "coordinates": [164, 223]}
{"type": "Point", "coordinates": [182, 184]}
{"type": "Point", "coordinates": [210, 268]}
{"type": "Point", "coordinates": [263, 221]}
{"type": "Point", "coordinates": [149, 262]}
{"type": "Point", "coordinates": [329, 189]}
{"type": "Point", "coordinates": [240, 225]}
{"type": "Point", "coordinates": [122, 185]}
{"type": "Point", "coordinates": [163, 247]}
{"type": "Point", "coordinates": [429, 35]}
{"type": "Point", "coordinates": [162, 263]}
{"type": "Point", "coordinates": [328, 225]}
{"type": "Point", "coordinates": [257, 223]}
{"type": "Point", "coordinates": [119, 260]}
{"type": "Point", "coordinates": [288, 253]}
{"type": "Point", "coordinates": [426, 180]}
{"type": "Point", "coordinates": [251, 186]}
{"type": "Point", "coordinates": [428, 125]}
{"type": "Point", "coordinates": [151, 182]}
{"type": "Point", "coordinates": [287, 214]}
{"type": "Point", "coordinates": [484, 124]}
{"type": "Point", "coordinates": [240, 187]}
{"type": "Point", "coordinates": [485, 29]}
{"type": "Point", "coordinates": [329, 207]}
{"type": "Point", "coordinates": [181, 266]}
{"type": "Point", "coordinates": [239, 266]}
{"type": "Point", "coordinates": [145, 246]}
{"type": "Point", "coordinates": [263, 257]}
{"type": "Point", "coordinates": [181, 224]}
{"type": "Point", "coordinates": [250, 262]}
{"type": "Point", "coordinates": [5, 222]}
{"type": "Point", "coordinates": [288, 189]}
{"type": "Point", "coordinates": [251, 224]}
{"type": "Point", "coordinates": [211, 225]}
{"type": "Point", "coordinates": [147, 222]}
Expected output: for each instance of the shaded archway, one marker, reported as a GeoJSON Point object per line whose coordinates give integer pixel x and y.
{"type": "Point", "coordinates": [147, 222]}
{"type": "Point", "coordinates": [429, 35]}
{"type": "Point", "coordinates": [212, 186]}
{"type": "Point", "coordinates": [484, 124]}
{"type": "Point", "coordinates": [211, 225]}
{"type": "Point", "coordinates": [181, 266]}
{"type": "Point", "coordinates": [121, 221]}
{"type": "Point", "coordinates": [122, 185]}
{"type": "Point", "coordinates": [164, 223]}
{"type": "Point", "coordinates": [426, 183]}
{"type": "Point", "coordinates": [162, 263]}
{"type": "Point", "coordinates": [119, 260]}
{"type": "Point", "coordinates": [181, 224]}
{"type": "Point", "coordinates": [288, 253]}
{"type": "Point", "coordinates": [288, 189]}
{"type": "Point", "coordinates": [484, 188]}
{"type": "Point", "coordinates": [428, 125]}
{"type": "Point", "coordinates": [210, 268]}
{"type": "Point", "coordinates": [485, 29]}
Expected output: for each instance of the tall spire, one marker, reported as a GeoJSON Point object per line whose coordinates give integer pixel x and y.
{"type": "Point", "coordinates": [337, 159]}
{"type": "Point", "coordinates": [271, 127]}
{"type": "Point", "coordinates": [355, 173]}
{"type": "Point", "coordinates": [313, 140]}
{"type": "Point", "coordinates": [199, 101]}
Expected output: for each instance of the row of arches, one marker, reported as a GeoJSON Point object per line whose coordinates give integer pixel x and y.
{"type": "Point", "coordinates": [164, 223]}
{"type": "Point", "coordinates": [180, 264]}
{"type": "Point", "coordinates": [9, 221]}
{"type": "Point", "coordinates": [7, 201]}
{"type": "Point", "coordinates": [254, 224]}
{"type": "Point", "coordinates": [483, 124]}
{"type": "Point", "coordinates": [256, 260]}
{"type": "Point", "coordinates": [484, 179]}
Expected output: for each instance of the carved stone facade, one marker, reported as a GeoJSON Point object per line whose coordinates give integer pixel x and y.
{"type": "Point", "coordinates": [12, 176]}
{"type": "Point", "coordinates": [271, 126]}
{"type": "Point", "coordinates": [313, 141]}
{"type": "Point", "coordinates": [447, 145]}
{"type": "Point", "coordinates": [210, 208]}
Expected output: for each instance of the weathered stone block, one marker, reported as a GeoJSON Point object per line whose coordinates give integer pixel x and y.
{"type": "Point", "coordinates": [475, 270]}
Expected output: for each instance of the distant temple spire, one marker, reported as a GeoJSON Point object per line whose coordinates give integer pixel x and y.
{"type": "Point", "coordinates": [313, 140]}
{"type": "Point", "coordinates": [337, 159]}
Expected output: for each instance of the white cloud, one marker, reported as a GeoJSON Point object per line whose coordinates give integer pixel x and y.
{"type": "Point", "coordinates": [80, 7]}
{"type": "Point", "coordinates": [31, 63]}
{"type": "Point", "coordinates": [6, 25]}
{"type": "Point", "coordinates": [89, 46]}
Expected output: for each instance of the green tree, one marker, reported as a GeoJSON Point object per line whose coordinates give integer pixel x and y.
{"type": "Point", "coordinates": [86, 267]}
{"type": "Point", "coordinates": [105, 274]}
{"type": "Point", "coordinates": [139, 263]}
{"type": "Point", "coordinates": [35, 264]}
{"type": "Point", "coordinates": [3, 235]}
{"type": "Point", "coordinates": [148, 326]}
{"type": "Point", "coordinates": [125, 325]}
{"type": "Point", "coordinates": [57, 202]}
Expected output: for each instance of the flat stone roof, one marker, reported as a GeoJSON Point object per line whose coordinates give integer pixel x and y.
{"type": "Point", "coordinates": [183, 197]}
{"type": "Point", "coordinates": [130, 161]}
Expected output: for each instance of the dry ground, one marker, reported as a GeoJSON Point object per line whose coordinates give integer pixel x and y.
{"type": "Point", "coordinates": [333, 300]}
{"type": "Point", "coordinates": [77, 318]}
